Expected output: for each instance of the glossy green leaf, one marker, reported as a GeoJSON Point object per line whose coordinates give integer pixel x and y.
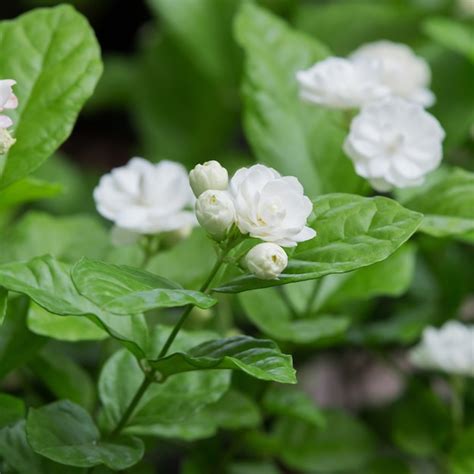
{"type": "Point", "coordinates": [12, 409]}
{"type": "Point", "coordinates": [17, 343]}
{"type": "Point", "coordinates": [259, 358]}
{"type": "Point", "coordinates": [295, 138]}
{"type": "Point", "coordinates": [164, 404]}
{"type": "Point", "coordinates": [65, 433]}
{"type": "Point", "coordinates": [121, 289]}
{"type": "Point", "coordinates": [345, 444]}
{"type": "Point", "coordinates": [27, 190]}
{"type": "Point", "coordinates": [352, 232]}
{"type": "Point", "coordinates": [70, 328]}
{"type": "Point", "coordinates": [448, 204]}
{"type": "Point", "coordinates": [64, 377]}
{"type": "Point", "coordinates": [461, 458]}
{"type": "Point", "coordinates": [452, 34]}
{"type": "Point", "coordinates": [55, 59]}
{"type": "Point", "coordinates": [413, 420]}
{"type": "Point", "coordinates": [68, 238]}
{"type": "Point", "coordinates": [289, 401]}
{"type": "Point", "coordinates": [47, 282]}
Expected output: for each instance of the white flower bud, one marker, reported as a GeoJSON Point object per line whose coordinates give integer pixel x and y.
{"type": "Point", "coordinates": [6, 141]}
{"type": "Point", "coordinates": [209, 175]}
{"type": "Point", "coordinates": [266, 261]}
{"type": "Point", "coordinates": [215, 212]}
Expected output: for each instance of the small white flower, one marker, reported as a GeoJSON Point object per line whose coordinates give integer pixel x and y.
{"type": "Point", "coordinates": [404, 73]}
{"type": "Point", "coordinates": [146, 198]}
{"type": "Point", "coordinates": [6, 141]}
{"type": "Point", "coordinates": [215, 212]}
{"type": "Point", "coordinates": [209, 175]}
{"type": "Point", "coordinates": [449, 349]}
{"type": "Point", "coordinates": [271, 207]}
{"type": "Point", "coordinates": [266, 261]}
{"type": "Point", "coordinates": [341, 84]}
{"type": "Point", "coordinates": [394, 143]}
{"type": "Point", "coordinates": [8, 100]}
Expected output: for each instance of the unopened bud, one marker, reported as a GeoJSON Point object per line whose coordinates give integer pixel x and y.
{"type": "Point", "coordinates": [266, 261]}
{"type": "Point", "coordinates": [215, 212]}
{"type": "Point", "coordinates": [209, 175]}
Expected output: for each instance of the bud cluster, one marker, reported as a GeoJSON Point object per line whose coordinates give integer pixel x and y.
{"type": "Point", "coordinates": [259, 202]}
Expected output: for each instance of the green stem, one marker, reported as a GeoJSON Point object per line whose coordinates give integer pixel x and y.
{"type": "Point", "coordinates": [312, 296]}
{"type": "Point", "coordinates": [150, 376]}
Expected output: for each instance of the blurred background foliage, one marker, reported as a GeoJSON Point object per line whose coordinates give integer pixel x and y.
{"type": "Point", "coordinates": [171, 90]}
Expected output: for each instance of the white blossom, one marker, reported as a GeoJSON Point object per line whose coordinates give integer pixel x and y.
{"type": "Point", "coordinates": [394, 143]}
{"type": "Point", "coordinates": [146, 198]}
{"type": "Point", "coordinates": [8, 100]}
{"type": "Point", "coordinates": [209, 175]}
{"type": "Point", "coordinates": [6, 141]}
{"type": "Point", "coordinates": [404, 73]}
{"type": "Point", "coordinates": [266, 261]}
{"type": "Point", "coordinates": [215, 212]}
{"type": "Point", "coordinates": [449, 349]}
{"type": "Point", "coordinates": [342, 84]}
{"type": "Point", "coordinates": [271, 207]}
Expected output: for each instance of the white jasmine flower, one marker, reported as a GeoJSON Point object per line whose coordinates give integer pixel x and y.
{"type": "Point", "coordinates": [146, 198]}
{"type": "Point", "coordinates": [404, 73]}
{"type": "Point", "coordinates": [215, 212]}
{"type": "Point", "coordinates": [266, 261]}
{"type": "Point", "coordinates": [8, 100]}
{"type": "Point", "coordinates": [449, 349]}
{"type": "Point", "coordinates": [394, 143]}
{"type": "Point", "coordinates": [6, 141]}
{"type": "Point", "coordinates": [341, 84]}
{"type": "Point", "coordinates": [209, 175]}
{"type": "Point", "coordinates": [271, 207]}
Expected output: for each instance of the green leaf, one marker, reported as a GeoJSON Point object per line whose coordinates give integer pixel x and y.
{"type": "Point", "coordinates": [12, 409]}
{"type": "Point", "coordinates": [253, 467]}
{"type": "Point", "coordinates": [448, 204]}
{"type": "Point", "coordinates": [203, 29]}
{"type": "Point", "coordinates": [345, 444]}
{"type": "Point", "coordinates": [291, 402]}
{"type": "Point", "coordinates": [413, 419]}
{"type": "Point", "coordinates": [163, 404]}
{"type": "Point", "coordinates": [390, 277]}
{"type": "Point", "coordinates": [17, 453]}
{"type": "Point", "coordinates": [120, 289]}
{"type": "Point", "coordinates": [27, 190]}
{"type": "Point", "coordinates": [368, 20]}
{"type": "Point", "coordinates": [64, 378]}
{"type": "Point", "coordinates": [352, 232]}
{"type": "Point", "coordinates": [70, 328]}
{"type": "Point", "coordinates": [232, 412]}
{"type": "Point", "coordinates": [189, 262]}
{"type": "Point", "coordinates": [17, 344]}
{"type": "Point", "coordinates": [461, 458]}
{"type": "Point", "coordinates": [452, 34]}
{"type": "Point", "coordinates": [278, 124]}
{"type": "Point", "coordinates": [259, 358]}
{"type": "Point", "coordinates": [66, 433]}
{"type": "Point", "coordinates": [55, 59]}
{"type": "Point", "coordinates": [68, 238]}
{"type": "Point", "coordinates": [47, 282]}
{"type": "Point", "coordinates": [266, 309]}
